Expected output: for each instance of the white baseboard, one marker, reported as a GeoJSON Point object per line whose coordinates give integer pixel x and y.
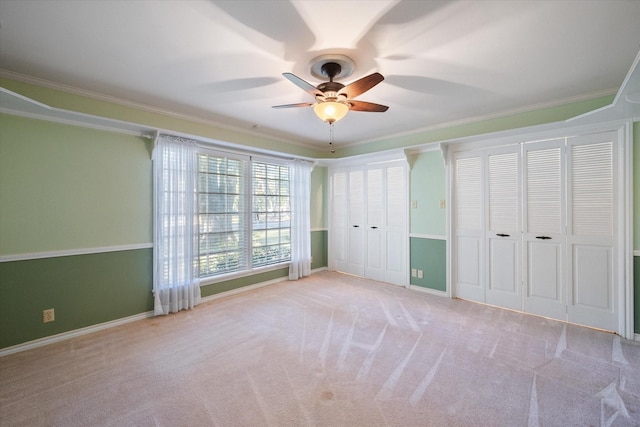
{"type": "Point", "coordinates": [428, 291]}
{"type": "Point", "coordinates": [99, 327]}
{"type": "Point", "coordinates": [637, 337]}
{"type": "Point", "coordinates": [74, 333]}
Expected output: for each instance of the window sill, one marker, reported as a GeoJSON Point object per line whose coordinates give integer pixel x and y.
{"type": "Point", "coordinates": [231, 276]}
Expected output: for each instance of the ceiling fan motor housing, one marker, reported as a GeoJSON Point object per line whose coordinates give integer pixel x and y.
{"type": "Point", "coordinates": [330, 87]}
{"type": "Point", "coordinates": [330, 70]}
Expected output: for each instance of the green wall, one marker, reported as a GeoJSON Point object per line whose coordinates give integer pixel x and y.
{"type": "Point", "coordinates": [428, 188]}
{"type": "Point", "coordinates": [240, 282]}
{"type": "Point", "coordinates": [319, 217]}
{"type": "Point", "coordinates": [430, 256]}
{"type": "Point", "coordinates": [67, 187]}
{"type": "Point", "coordinates": [319, 245]}
{"type": "Point", "coordinates": [636, 294]}
{"type": "Point", "coordinates": [84, 290]}
{"type": "Point", "coordinates": [319, 194]}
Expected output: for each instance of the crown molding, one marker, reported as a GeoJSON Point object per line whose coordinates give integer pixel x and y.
{"type": "Point", "coordinates": [484, 117]}
{"type": "Point", "coordinates": [98, 96]}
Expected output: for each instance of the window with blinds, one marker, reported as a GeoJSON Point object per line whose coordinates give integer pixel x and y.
{"type": "Point", "coordinates": [271, 214]}
{"type": "Point", "coordinates": [241, 229]}
{"type": "Point", "coordinates": [222, 212]}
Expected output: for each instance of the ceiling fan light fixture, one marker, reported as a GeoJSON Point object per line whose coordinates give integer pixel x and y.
{"type": "Point", "coordinates": [331, 111]}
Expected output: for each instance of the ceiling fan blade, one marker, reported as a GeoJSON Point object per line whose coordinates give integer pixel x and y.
{"type": "Point", "coordinates": [302, 104]}
{"type": "Point", "coordinates": [307, 87]}
{"type": "Point", "coordinates": [362, 85]}
{"type": "Point", "coordinates": [367, 106]}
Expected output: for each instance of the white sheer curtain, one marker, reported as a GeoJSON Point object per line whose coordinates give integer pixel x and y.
{"type": "Point", "coordinates": [175, 171]}
{"type": "Point", "coordinates": [300, 219]}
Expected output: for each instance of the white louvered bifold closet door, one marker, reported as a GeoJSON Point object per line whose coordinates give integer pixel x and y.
{"type": "Point", "coordinates": [356, 225]}
{"type": "Point", "coordinates": [339, 236]}
{"type": "Point", "coordinates": [592, 298]}
{"type": "Point", "coordinates": [503, 234]}
{"type": "Point", "coordinates": [396, 218]}
{"type": "Point", "coordinates": [469, 219]}
{"type": "Point", "coordinates": [543, 229]}
{"type": "Point", "coordinates": [374, 229]}
{"type": "Point", "coordinates": [534, 228]}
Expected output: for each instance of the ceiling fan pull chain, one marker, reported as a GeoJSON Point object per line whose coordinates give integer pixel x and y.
{"type": "Point", "coordinates": [333, 150]}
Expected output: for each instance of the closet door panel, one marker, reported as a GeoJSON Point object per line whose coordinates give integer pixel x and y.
{"type": "Point", "coordinates": [502, 268]}
{"type": "Point", "coordinates": [544, 284]}
{"type": "Point", "coordinates": [468, 217]}
{"type": "Point", "coordinates": [396, 219]}
{"type": "Point", "coordinates": [375, 225]}
{"type": "Point", "coordinates": [356, 225]}
{"type": "Point", "coordinates": [395, 271]}
{"type": "Point", "coordinates": [503, 228]}
{"type": "Point", "coordinates": [339, 222]}
{"type": "Point", "coordinates": [592, 286]}
{"type": "Point", "coordinates": [543, 229]}
{"type": "Point", "coordinates": [592, 300]}
{"type": "Point", "coordinates": [468, 272]}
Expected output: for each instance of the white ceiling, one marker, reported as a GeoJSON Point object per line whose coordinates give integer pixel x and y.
{"type": "Point", "coordinates": [444, 62]}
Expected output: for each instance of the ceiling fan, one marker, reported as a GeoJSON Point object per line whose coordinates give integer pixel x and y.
{"type": "Point", "coordinates": [333, 99]}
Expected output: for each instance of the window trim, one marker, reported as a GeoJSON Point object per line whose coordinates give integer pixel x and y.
{"type": "Point", "coordinates": [248, 161]}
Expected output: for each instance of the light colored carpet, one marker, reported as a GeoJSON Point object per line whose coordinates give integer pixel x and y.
{"type": "Point", "coordinates": [328, 350]}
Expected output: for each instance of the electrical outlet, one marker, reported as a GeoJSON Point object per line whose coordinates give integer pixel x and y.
{"type": "Point", "coordinates": [420, 275]}
{"type": "Point", "coordinates": [311, 260]}
{"type": "Point", "coordinates": [443, 204]}
{"type": "Point", "coordinates": [414, 272]}
{"type": "Point", "coordinates": [48, 315]}
{"type": "Point", "coordinates": [414, 204]}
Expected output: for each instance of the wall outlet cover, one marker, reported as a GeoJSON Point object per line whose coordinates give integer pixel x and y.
{"type": "Point", "coordinates": [48, 315]}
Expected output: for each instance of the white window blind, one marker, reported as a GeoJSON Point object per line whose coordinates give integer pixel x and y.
{"type": "Point", "coordinates": [271, 214]}
{"type": "Point", "coordinates": [222, 212]}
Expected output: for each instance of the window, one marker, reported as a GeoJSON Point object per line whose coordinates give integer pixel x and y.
{"type": "Point", "coordinates": [271, 214]}
{"type": "Point", "coordinates": [226, 213]}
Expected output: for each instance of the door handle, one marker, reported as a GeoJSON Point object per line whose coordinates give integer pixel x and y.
{"type": "Point", "coordinates": [502, 235]}
{"type": "Point", "coordinates": [543, 237]}
{"type": "Point", "coordinates": [356, 226]}
{"type": "Point", "coordinates": [374, 227]}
